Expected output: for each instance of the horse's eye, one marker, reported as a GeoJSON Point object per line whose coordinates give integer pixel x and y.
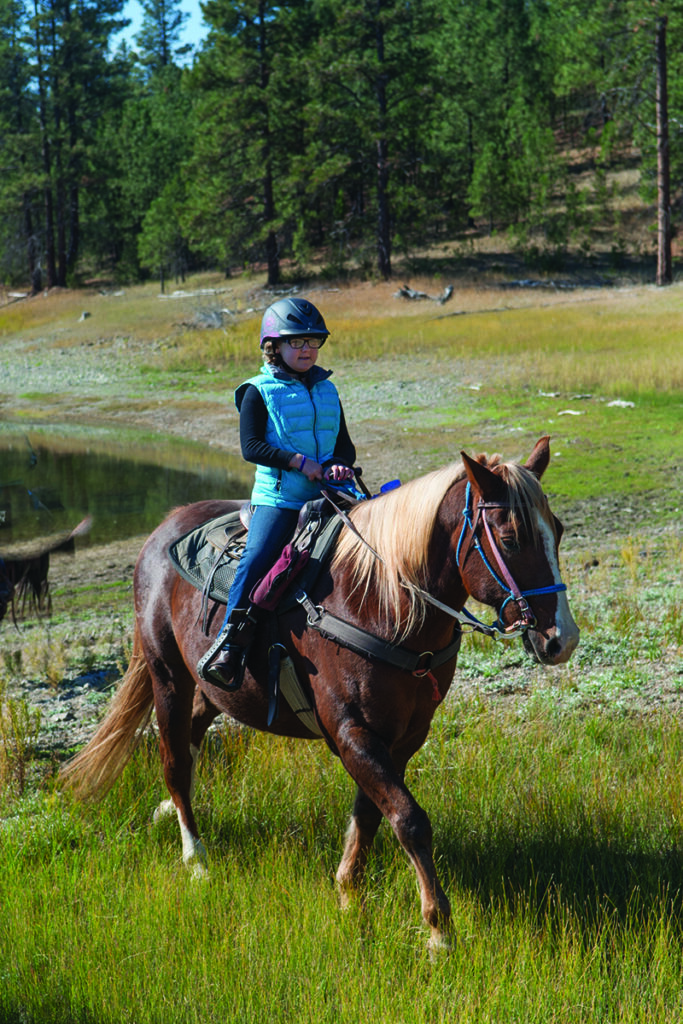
{"type": "Point", "coordinates": [510, 543]}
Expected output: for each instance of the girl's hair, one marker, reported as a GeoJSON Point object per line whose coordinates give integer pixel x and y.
{"type": "Point", "coordinates": [271, 353]}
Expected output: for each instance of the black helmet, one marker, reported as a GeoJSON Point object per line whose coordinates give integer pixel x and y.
{"type": "Point", "coordinates": [292, 317]}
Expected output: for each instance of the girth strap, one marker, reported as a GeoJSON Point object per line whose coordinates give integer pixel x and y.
{"type": "Point", "coordinates": [373, 647]}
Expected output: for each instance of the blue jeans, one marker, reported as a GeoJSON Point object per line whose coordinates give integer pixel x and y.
{"type": "Point", "coordinates": [269, 531]}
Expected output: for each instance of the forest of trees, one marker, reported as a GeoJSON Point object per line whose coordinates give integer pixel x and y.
{"type": "Point", "coordinates": [353, 130]}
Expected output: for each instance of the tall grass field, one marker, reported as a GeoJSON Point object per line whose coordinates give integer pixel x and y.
{"type": "Point", "coordinates": [556, 796]}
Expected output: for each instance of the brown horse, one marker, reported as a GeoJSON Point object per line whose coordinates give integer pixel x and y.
{"type": "Point", "coordinates": [480, 528]}
{"type": "Point", "coordinates": [24, 572]}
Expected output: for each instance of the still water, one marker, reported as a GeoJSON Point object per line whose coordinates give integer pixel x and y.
{"type": "Point", "coordinates": [50, 480]}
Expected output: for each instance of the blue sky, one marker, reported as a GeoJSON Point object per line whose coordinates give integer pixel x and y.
{"type": "Point", "coordinates": [193, 31]}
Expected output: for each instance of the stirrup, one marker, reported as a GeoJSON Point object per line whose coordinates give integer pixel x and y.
{"type": "Point", "coordinates": [205, 663]}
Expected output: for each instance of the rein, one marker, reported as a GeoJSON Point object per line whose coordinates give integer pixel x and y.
{"type": "Point", "coordinates": [418, 663]}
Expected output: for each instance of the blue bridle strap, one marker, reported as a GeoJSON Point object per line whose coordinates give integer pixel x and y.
{"type": "Point", "coordinates": [497, 627]}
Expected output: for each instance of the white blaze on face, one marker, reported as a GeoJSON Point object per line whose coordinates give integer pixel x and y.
{"type": "Point", "coordinates": [567, 632]}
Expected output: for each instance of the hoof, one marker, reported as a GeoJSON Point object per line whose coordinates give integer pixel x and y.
{"type": "Point", "coordinates": [164, 810]}
{"type": "Point", "coordinates": [440, 945]}
{"type": "Point", "coordinates": [198, 872]}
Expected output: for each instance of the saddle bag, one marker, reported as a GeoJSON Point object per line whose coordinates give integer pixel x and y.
{"type": "Point", "coordinates": [269, 591]}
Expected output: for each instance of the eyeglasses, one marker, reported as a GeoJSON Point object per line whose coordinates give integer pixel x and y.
{"type": "Point", "coordinates": [300, 342]}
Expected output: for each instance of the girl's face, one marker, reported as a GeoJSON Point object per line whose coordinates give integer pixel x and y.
{"type": "Point", "coordinates": [297, 359]}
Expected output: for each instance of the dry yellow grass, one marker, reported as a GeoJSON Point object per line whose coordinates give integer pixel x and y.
{"type": "Point", "coordinates": [618, 337]}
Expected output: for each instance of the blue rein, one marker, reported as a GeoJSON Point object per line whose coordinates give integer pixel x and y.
{"type": "Point", "coordinates": [497, 628]}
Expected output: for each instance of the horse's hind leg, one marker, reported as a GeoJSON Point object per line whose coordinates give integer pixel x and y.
{"type": "Point", "coordinates": [203, 714]}
{"type": "Point", "coordinates": [365, 820]}
{"type": "Point", "coordinates": [173, 699]}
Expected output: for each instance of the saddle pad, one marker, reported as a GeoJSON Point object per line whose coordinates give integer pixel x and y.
{"type": "Point", "coordinates": [195, 555]}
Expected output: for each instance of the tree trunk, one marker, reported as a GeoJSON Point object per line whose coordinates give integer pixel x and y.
{"type": "Point", "coordinates": [32, 253]}
{"type": "Point", "coordinates": [272, 257]}
{"type": "Point", "coordinates": [383, 226]}
{"type": "Point", "coordinates": [383, 216]}
{"type": "Point", "coordinates": [74, 195]}
{"type": "Point", "coordinates": [664, 263]}
{"type": "Point", "coordinates": [61, 224]}
{"type": "Point", "coordinates": [46, 153]}
{"type": "Point", "coordinates": [57, 150]}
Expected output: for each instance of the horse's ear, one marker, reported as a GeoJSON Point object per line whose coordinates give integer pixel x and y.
{"type": "Point", "coordinates": [490, 486]}
{"type": "Point", "coordinates": [539, 458]}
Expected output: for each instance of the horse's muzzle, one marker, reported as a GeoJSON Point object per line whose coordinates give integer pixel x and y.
{"type": "Point", "coordinates": [552, 647]}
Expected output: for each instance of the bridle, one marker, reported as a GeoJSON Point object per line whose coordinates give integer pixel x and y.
{"type": "Point", "coordinates": [503, 577]}
{"type": "Point", "coordinates": [420, 665]}
{"type": "Point", "coordinates": [496, 629]}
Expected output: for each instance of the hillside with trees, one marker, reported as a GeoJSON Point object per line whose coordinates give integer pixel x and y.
{"type": "Point", "coordinates": [352, 133]}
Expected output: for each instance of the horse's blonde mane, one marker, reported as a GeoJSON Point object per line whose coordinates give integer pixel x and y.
{"type": "Point", "coordinates": [399, 526]}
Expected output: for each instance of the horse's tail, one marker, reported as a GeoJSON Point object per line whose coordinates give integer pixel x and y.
{"type": "Point", "coordinates": [97, 767]}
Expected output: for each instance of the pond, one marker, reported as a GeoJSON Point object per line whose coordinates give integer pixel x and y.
{"type": "Point", "coordinates": [51, 479]}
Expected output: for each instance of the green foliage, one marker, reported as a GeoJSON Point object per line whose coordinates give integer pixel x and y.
{"type": "Point", "coordinates": [161, 245]}
{"type": "Point", "coordinates": [319, 129]}
{"type": "Point", "coordinates": [158, 37]}
{"type": "Point", "coordinates": [19, 728]}
{"type": "Point", "coordinates": [606, 51]}
{"type": "Point", "coordinates": [141, 146]}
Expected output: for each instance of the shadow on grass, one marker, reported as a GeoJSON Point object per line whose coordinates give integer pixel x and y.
{"type": "Point", "coordinates": [593, 868]}
{"type": "Point", "coordinates": [542, 875]}
{"type": "Point", "coordinates": [590, 879]}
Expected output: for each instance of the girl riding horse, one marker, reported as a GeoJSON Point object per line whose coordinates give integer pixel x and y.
{"type": "Point", "coordinates": [292, 426]}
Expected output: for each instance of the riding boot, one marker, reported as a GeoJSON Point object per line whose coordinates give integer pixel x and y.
{"type": "Point", "coordinates": [223, 664]}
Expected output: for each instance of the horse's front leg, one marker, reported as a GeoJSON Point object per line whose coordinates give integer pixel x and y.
{"type": "Point", "coordinates": [369, 762]}
{"type": "Point", "coordinates": [365, 820]}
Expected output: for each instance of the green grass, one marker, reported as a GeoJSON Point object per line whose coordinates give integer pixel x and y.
{"type": "Point", "coordinates": [558, 833]}
{"type": "Point", "coordinates": [556, 795]}
{"type": "Point", "coordinates": [558, 837]}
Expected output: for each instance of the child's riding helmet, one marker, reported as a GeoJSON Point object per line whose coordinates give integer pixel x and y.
{"type": "Point", "coordinates": [292, 318]}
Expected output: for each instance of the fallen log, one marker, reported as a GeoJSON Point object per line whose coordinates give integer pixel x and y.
{"type": "Point", "coordinates": [406, 292]}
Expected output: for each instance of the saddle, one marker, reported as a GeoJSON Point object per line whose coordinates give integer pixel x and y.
{"type": "Point", "coordinates": [208, 556]}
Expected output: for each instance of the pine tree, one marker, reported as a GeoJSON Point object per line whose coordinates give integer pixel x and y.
{"type": "Point", "coordinates": [499, 94]}
{"type": "Point", "coordinates": [19, 184]}
{"type": "Point", "coordinates": [140, 149]}
{"type": "Point", "coordinates": [374, 95]}
{"type": "Point", "coordinates": [251, 118]}
{"type": "Point", "coordinates": [158, 38]}
{"type": "Point", "coordinates": [630, 56]}
{"type": "Point", "coordinates": [65, 46]}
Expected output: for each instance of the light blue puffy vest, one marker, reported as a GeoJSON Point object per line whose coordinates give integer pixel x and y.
{"type": "Point", "coordinates": [299, 420]}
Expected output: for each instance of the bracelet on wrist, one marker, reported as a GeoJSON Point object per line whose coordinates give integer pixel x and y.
{"type": "Point", "coordinates": [303, 463]}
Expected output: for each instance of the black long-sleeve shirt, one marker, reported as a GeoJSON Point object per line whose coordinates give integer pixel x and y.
{"type": "Point", "coordinates": [255, 448]}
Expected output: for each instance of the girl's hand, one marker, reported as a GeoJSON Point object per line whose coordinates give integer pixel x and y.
{"type": "Point", "coordinates": [338, 473]}
{"type": "Point", "coordinates": [311, 469]}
